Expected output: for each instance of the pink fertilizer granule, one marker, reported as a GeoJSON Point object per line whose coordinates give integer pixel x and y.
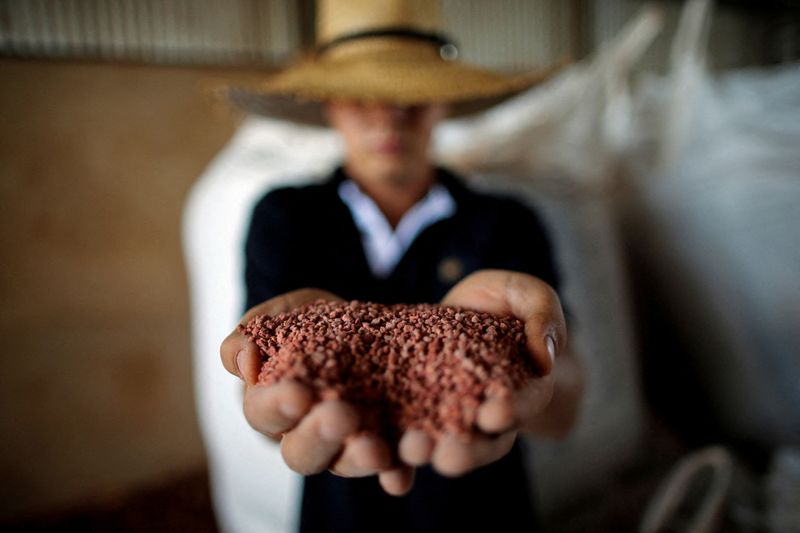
{"type": "Point", "coordinates": [402, 366]}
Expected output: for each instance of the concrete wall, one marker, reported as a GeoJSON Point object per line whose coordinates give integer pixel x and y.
{"type": "Point", "coordinates": [95, 368]}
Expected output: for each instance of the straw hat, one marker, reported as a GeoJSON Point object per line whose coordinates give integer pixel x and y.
{"type": "Point", "coordinates": [388, 51]}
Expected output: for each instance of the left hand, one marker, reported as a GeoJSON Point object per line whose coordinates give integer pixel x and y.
{"type": "Point", "coordinates": [499, 420]}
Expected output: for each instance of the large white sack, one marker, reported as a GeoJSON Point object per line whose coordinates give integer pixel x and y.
{"type": "Point", "coordinates": [715, 207]}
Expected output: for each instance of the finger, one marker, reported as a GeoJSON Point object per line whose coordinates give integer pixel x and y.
{"type": "Point", "coordinates": [241, 357]}
{"type": "Point", "coordinates": [397, 482]}
{"type": "Point", "coordinates": [538, 306]}
{"type": "Point", "coordinates": [532, 400]}
{"type": "Point", "coordinates": [496, 415]}
{"type": "Point", "coordinates": [363, 455]}
{"type": "Point", "coordinates": [455, 456]}
{"type": "Point", "coordinates": [275, 409]}
{"type": "Point", "coordinates": [545, 339]}
{"type": "Point", "coordinates": [313, 445]}
{"type": "Point", "coordinates": [415, 447]}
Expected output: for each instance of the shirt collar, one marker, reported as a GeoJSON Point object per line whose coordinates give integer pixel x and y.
{"type": "Point", "coordinates": [383, 245]}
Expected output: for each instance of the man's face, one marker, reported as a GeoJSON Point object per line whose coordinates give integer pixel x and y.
{"type": "Point", "coordinates": [385, 142]}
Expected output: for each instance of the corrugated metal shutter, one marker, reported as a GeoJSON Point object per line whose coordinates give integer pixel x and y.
{"type": "Point", "coordinates": [514, 35]}
{"type": "Point", "coordinates": [511, 35]}
{"type": "Point", "coordinates": [152, 31]}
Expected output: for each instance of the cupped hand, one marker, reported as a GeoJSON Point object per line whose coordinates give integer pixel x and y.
{"type": "Point", "coordinates": [499, 419]}
{"type": "Point", "coordinates": [314, 436]}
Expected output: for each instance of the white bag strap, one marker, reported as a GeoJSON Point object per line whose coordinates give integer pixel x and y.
{"type": "Point", "coordinates": [674, 490]}
{"type": "Point", "coordinates": [689, 73]}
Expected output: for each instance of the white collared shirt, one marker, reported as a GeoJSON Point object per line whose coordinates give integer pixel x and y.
{"type": "Point", "coordinates": [384, 246]}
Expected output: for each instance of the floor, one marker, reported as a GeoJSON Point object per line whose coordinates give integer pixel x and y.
{"type": "Point", "coordinates": [182, 504]}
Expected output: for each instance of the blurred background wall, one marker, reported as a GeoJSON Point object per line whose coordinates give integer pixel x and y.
{"type": "Point", "coordinates": [96, 386]}
{"type": "Point", "coordinates": [104, 127]}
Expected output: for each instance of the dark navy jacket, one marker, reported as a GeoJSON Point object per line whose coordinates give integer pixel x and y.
{"type": "Point", "coordinates": [306, 237]}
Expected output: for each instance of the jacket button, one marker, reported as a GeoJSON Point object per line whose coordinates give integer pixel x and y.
{"type": "Point", "coordinates": [451, 270]}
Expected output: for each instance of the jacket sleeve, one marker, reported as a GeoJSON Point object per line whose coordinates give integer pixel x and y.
{"type": "Point", "coordinates": [526, 243]}
{"type": "Point", "coordinates": [274, 255]}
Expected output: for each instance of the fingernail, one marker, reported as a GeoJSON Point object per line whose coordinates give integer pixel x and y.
{"type": "Point", "coordinates": [551, 347]}
{"type": "Point", "coordinates": [236, 362]}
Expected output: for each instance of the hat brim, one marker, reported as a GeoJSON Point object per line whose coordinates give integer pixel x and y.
{"type": "Point", "coordinates": [297, 94]}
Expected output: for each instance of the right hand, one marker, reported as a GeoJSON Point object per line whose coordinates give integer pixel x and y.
{"type": "Point", "coordinates": [314, 436]}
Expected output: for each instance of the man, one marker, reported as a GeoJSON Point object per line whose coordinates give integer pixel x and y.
{"type": "Point", "coordinates": [391, 227]}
